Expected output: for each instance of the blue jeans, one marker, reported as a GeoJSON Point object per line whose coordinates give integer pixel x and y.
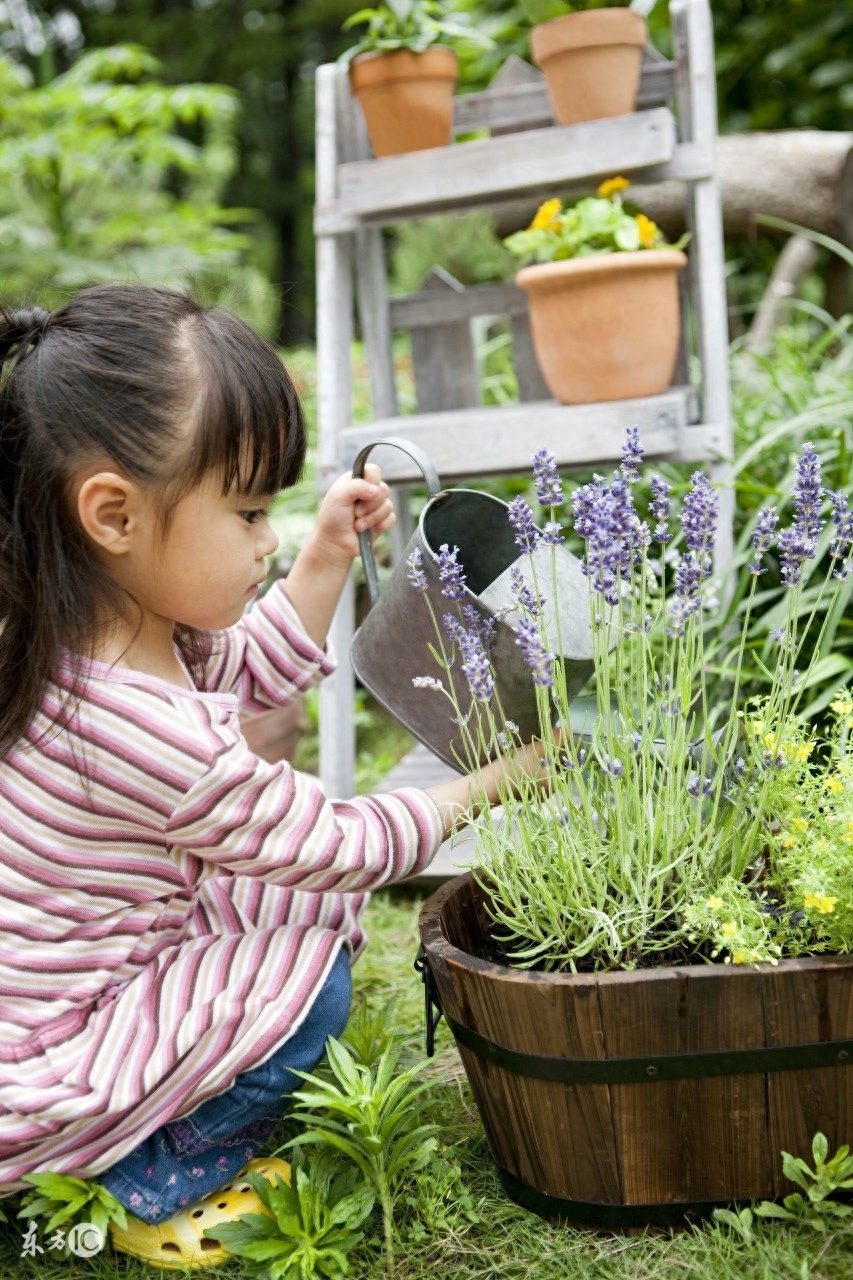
{"type": "Point", "coordinates": [187, 1159]}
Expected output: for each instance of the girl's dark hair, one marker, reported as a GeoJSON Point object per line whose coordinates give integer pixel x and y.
{"type": "Point", "coordinates": [166, 389]}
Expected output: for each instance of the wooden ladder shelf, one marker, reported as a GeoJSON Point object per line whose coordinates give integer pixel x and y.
{"type": "Point", "coordinates": [672, 135]}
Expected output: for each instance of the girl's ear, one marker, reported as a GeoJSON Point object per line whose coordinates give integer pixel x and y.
{"type": "Point", "coordinates": [108, 510]}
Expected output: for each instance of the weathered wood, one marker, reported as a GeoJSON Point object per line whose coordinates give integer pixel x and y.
{"type": "Point", "coordinates": [809, 1004]}
{"type": "Point", "coordinates": [443, 359]}
{"type": "Point", "coordinates": [420, 311]}
{"type": "Point", "coordinates": [531, 384]}
{"type": "Point", "coordinates": [455, 176]}
{"type": "Point", "coordinates": [518, 99]}
{"type": "Point", "coordinates": [687, 1140]}
{"type": "Point", "coordinates": [334, 395]}
{"type": "Point", "coordinates": [656, 1142]}
{"type": "Point", "coordinates": [793, 264]}
{"type": "Point", "coordinates": [462, 442]}
{"type": "Point", "coordinates": [576, 1149]}
{"type": "Point", "coordinates": [795, 174]}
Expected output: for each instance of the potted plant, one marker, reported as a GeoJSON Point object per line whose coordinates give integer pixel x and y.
{"type": "Point", "coordinates": [590, 56]}
{"type": "Point", "coordinates": [402, 76]}
{"type": "Point", "coordinates": [603, 296]}
{"type": "Point", "coordinates": [648, 974]}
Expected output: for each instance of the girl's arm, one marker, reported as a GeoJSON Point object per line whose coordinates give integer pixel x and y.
{"type": "Point", "coordinates": [315, 582]}
{"type": "Point", "coordinates": [461, 799]}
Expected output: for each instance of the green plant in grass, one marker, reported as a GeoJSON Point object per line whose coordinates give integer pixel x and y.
{"type": "Point", "coordinates": [312, 1224]}
{"type": "Point", "coordinates": [62, 1200]}
{"type": "Point", "coordinates": [813, 1209]}
{"type": "Point", "coordinates": [372, 1118]}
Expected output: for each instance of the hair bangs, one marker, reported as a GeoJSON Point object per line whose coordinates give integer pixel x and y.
{"type": "Point", "coordinates": [250, 423]}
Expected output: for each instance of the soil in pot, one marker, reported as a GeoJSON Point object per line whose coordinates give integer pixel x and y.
{"type": "Point", "coordinates": [591, 62]}
{"type": "Point", "coordinates": [606, 327]}
{"type": "Point", "coordinates": [407, 98]}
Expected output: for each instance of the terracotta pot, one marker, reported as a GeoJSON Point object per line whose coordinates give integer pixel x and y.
{"type": "Point", "coordinates": [606, 327]}
{"type": "Point", "coordinates": [407, 98]}
{"type": "Point", "coordinates": [648, 1096]}
{"type": "Point", "coordinates": [591, 62]}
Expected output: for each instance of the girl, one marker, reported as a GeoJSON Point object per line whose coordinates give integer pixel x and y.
{"type": "Point", "coordinates": [177, 915]}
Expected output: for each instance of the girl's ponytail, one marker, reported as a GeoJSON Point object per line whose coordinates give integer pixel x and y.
{"type": "Point", "coordinates": [21, 330]}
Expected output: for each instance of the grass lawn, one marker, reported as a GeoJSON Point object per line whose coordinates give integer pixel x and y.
{"type": "Point", "coordinates": [457, 1224]}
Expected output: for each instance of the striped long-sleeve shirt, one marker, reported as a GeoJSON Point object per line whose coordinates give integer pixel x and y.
{"type": "Point", "coordinates": [170, 904]}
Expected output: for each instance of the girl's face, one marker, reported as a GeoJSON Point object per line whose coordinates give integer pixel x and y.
{"type": "Point", "coordinates": [210, 561]}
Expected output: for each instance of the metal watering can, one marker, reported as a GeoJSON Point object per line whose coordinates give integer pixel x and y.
{"type": "Point", "coordinates": [392, 646]}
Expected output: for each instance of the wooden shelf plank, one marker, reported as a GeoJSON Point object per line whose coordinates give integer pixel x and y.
{"type": "Point", "coordinates": [502, 440]}
{"type": "Point", "coordinates": [527, 105]}
{"type": "Point", "coordinates": [398, 187]}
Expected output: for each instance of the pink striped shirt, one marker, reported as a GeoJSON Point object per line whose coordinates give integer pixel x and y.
{"type": "Point", "coordinates": [170, 904]}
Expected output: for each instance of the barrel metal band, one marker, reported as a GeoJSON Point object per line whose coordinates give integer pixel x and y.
{"type": "Point", "coordinates": [671, 1066]}
{"type": "Point", "coordinates": [612, 1216]}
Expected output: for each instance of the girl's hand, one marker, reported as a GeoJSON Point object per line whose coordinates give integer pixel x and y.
{"type": "Point", "coordinates": [349, 508]}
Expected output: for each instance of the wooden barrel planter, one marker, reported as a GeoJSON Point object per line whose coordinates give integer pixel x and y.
{"type": "Point", "coordinates": [644, 1098]}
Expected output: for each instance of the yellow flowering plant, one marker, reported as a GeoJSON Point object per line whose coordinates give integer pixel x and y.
{"type": "Point", "coordinates": [593, 225]}
{"type": "Point", "coordinates": [799, 897]}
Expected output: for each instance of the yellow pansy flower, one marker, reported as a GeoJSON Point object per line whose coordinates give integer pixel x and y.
{"type": "Point", "coordinates": [804, 750]}
{"type": "Point", "coordinates": [820, 903]}
{"type": "Point", "coordinates": [834, 785]}
{"type": "Point", "coordinates": [729, 930]}
{"type": "Point", "coordinates": [611, 186]}
{"type": "Point", "coordinates": [800, 823]}
{"type": "Point", "coordinates": [545, 215]}
{"type": "Point", "coordinates": [647, 229]}
{"type": "Point", "coordinates": [757, 727]}
{"type": "Point", "coordinates": [715, 903]}
{"type": "Point", "coordinates": [740, 957]}
{"type": "Point", "coordinates": [842, 706]}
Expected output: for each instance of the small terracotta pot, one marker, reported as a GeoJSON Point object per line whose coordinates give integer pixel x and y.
{"type": "Point", "coordinates": [407, 98]}
{"type": "Point", "coordinates": [591, 62]}
{"type": "Point", "coordinates": [606, 327]}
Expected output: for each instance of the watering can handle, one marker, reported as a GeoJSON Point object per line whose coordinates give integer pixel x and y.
{"type": "Point", "coordinates": [365, 541]}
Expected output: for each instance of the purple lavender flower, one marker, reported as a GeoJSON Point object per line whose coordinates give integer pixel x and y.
{"type": "Point", "coordinates": [534, 653]}
{"type": "Point", "coordinates": [740, 766]}
{"type": "Point", "coordinates": [614, 767]}
{"type": "Point", "coordinates": [584, 500]}
{"type": "Point", "coordinates": [688, 577]}
{"type": "Point", "coordinates": [632, 455]}
{"type": "Point", "coordinates": [762, 536]}
{"type": "Point", "coordinates": [415, 570]}
{"type": "Point", "coordinates": [481, 623]}
{"type": "Point", "coordinates": [521, 519]}
{"type": "Point", "coordinates": [699, 519]}
{"type": "Point", "coordinates": [450, 573]}
{"type": "Point", "coordinates": [693, 785]}
{"type": "Point", "coordinates": [549, 491]}
{"type": "Point", "coordinates": [660, 509]}
{"type": "Point", "coordinates": [842, 543]}
{"type": "Point", "coordinates": [526, 598]}
{"type": "Point", "coordinates": [613, 539]}
{"type": "Point", "coordinates": [475, 665]}
{"type": "Point", "coordinates": [453, 628]}
{"type": "Point", "coordinates": [807, 492]}
{"type": "Point", "coordinates": [552, 534]}
{"type": "Point", "coordinates": [798, 543]}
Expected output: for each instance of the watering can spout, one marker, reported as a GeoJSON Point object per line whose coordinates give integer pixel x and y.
{"type": "Point", "coordinates": [396, 644]}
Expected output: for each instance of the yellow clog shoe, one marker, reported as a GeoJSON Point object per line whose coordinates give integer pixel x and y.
{"type": "Point", "coordinates": [179, 1242]}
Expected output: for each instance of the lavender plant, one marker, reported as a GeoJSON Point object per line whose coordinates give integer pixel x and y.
{"type": "Point", "coordinates": [661, 834]}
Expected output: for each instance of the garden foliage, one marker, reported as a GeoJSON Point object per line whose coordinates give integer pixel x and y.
{"type": "Point", "coordinates": [107, 173]}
